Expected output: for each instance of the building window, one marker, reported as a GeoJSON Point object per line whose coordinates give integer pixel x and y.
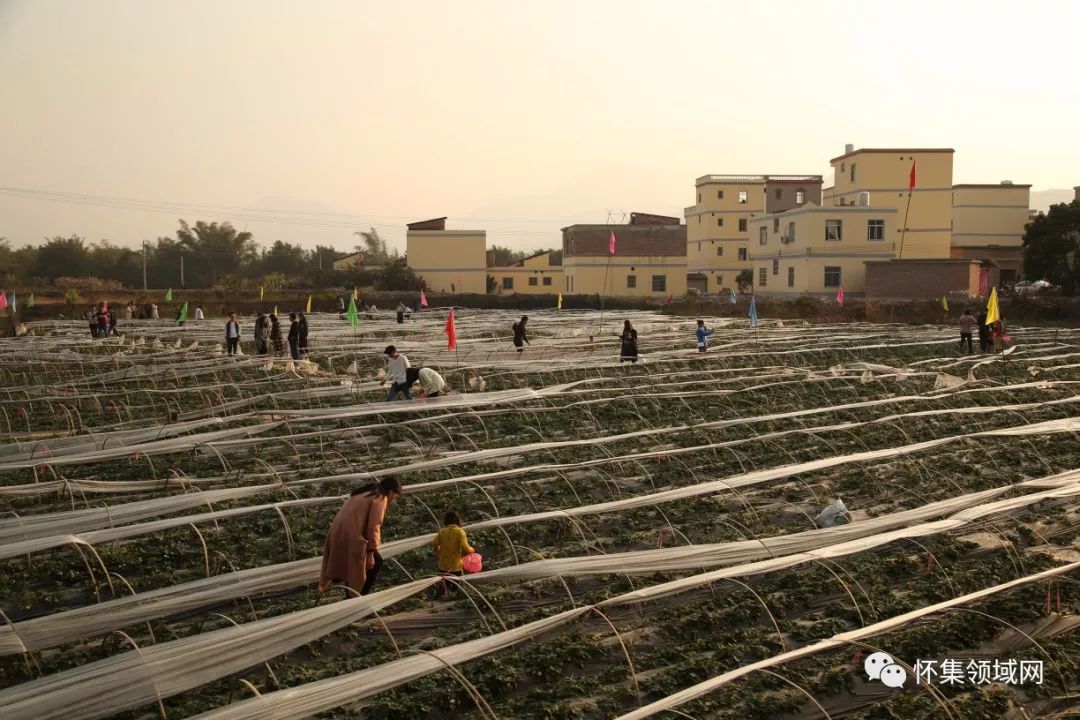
{"type": "Point", "coordinates": [719, 250]}
{"type": "Point", "coordinates": [719, 222]}
{"type": "Point", "coordinates": [742, 224]}
{"type": "Point", "coordinates": [779, 193]}
{"type": "Point", "coordinates": [742, 254]}
{"type": "Point", "coordinates": [776, 266]}
{"type": "Point", "coordinates": [852, 172]}
{"type": "Point", "coordinates": [833, 229]}
{"type": "Point", "coordinates": [742, 197]}
{"type": "Point", "coordinates": [631, 281]}
{"type": "Point", "coordinates": [719, 281]}
{"type": "Point", "coordinates": [699, 219]}
{"type": "Point", "coordinates": [532, 281]}
{"type": "Point", "coordinates": [508, 283]}
{"type": "Point", "coordinates": [800, 197]}
{"type": "Point", "coordinates": [762, 276]}
{"type": "Point", "coordinates": [832, 276]}
{"type": "Point", "coordinates": [547, 281]}
{"type": "Point", "coordinates": [659, 283]}
{"type": "Point", "coordinates": [843, 168]}
{"type": "Point", "coordinates": [762, 235]}
{"type": "Point", "coordinates": [791, 276]}
{"type": "Point", "coordinates": [875, 229]}
{"type": "Point", "coordinates": [776, 224]}
{"type": "Point", "coordinates": [719, 194]}
{"type": "Point", "coordinates": [699, 198]}
{"type": "Point", "coordinates": [791, 232]}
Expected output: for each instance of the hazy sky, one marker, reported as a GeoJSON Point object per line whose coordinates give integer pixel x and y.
{"type": "Point", "coordinates": [518, 117]}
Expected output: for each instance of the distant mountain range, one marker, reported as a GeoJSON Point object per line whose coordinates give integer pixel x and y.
{"type": "Point", "coordinates": [1043, 199]}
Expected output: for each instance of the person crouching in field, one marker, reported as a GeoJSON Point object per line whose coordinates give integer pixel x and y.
{"type": "Point", "coordinates": [628, 347]}
{"type": "Point", "coordinates": [351, 553]}
{"type": "Point", "coordinates": [703, 334]}
{"type": "Point", "coordinates": [451, 544]}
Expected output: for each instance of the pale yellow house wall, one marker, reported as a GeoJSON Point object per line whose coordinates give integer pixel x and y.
{"type": "Point", "coordinates": [705, 234]}
{"type": "Point", "coordinates": [449, 257]}
{"type": "Point", "coordinates": [586, 275]}
{"type": "Point", "coordinates": [986, 216]}
{"type": "Point", "coordinates": [810, 252]}
{"type": "Point", "coordinates": [885, 176]}
{"type": "Point", "coordinates": [521, 276]}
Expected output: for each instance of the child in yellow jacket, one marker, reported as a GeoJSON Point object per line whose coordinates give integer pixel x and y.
{"type": "Point", "coordinates": [451, 544]}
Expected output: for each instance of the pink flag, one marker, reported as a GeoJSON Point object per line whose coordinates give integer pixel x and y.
{"type": "Point", "coordinates": [451, 332]}
{"type": "Point", "coordinates": [840, 296]}
{"type": "Point", "coordinates": [611, 244]}
{"type": "Point", "coordinates": [423, 298]}
{"type": "Point", "coordinates": [3, 299]}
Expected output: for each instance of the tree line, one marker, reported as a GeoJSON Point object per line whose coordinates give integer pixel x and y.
{"type": "Point", "coordinates": [213, 255]}
{"type": "Point", "coordinates": [1052, 247]}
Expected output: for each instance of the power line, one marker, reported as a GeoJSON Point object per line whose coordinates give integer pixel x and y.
{"type": "Point", "coordinates": [267, 215]}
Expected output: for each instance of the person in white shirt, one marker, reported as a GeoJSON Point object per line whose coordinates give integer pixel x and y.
{"type": "Point", "coordinates": [154, 312]}
{"type": "Point", "coordinates": [396, 368]}
{"type": "Point", "coordinates": [199, 313]}
{"type": "Point", "coordinates": [431, 383]}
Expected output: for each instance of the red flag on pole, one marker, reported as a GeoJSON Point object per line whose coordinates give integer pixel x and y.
{"type": "Point", "coordinates": [840, 296]}
{"type": "Point", "coordinates": [670, 298]}
{"type": "Point", "coordinates": [451, 332]}
{"type": "Point", "coordinates": [3, 299]}
{"type": "Point", "coordinates": [611, 244]}
{"type": "Point", "coordinates": [423, 298]}
{"type": "Point", "coordinates": [911, 179]}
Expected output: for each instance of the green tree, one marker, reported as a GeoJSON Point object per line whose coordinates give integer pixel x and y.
{"type": "Point", "coordinates": [61, 256]}
{"type": "Point", "coordinates": [745, 280]}
{"type": "Point", "coordinates": [374, 248]}
{"type": "Point", "coordinates": [397, 276]}
{"type": "Point", "coordinates": [283, 258]}
{"type": "Point", "coordinates": [503, 256]}
{"type": "Point", "coordinates": [16, 266]}
{"type": "Point", "coordinates": [1051, 245]}
{"type": "Point", "coordinates": [213, 250]}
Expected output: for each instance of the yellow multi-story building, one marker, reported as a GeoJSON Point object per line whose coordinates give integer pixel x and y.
{"type": "Point", "coordinates": [447, 260]}
{"type": "Point", "coordinates": [988, 223]}
{"type": "Point", "coordinates": [818, 250]}
{"type": "Point", "coordinates": [717, 225]}
{"type": "Point", "coordinates": [882, 176]}
{"type": "Point", "coordinates": [532, 276]}
{"type": "Point", "coordinates": [649, 259]}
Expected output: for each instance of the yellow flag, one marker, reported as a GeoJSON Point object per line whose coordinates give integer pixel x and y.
{"type": "Point", "coordinates": [355, 294]}
{"type": "Point", "coordinates": [992, 313]}
{"type": "Point", "coordinates": [308, 304]}
{"type": "Point", "coordinates": [558, 304]}
{"type": "Point", "coordinates": [944, 304]}
{"type": "Point", "coordinates": [260, 293]}
{"type": "Point", "coordinates": [275, 310]}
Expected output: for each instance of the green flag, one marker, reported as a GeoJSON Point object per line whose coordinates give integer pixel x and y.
{"type": "Point", "coordinates": [168, 295]}
{"type": "Point", "coordinates": [183, 315]}
{"type": "Point", "coordinates": [30, 301]}
{"type": "Point", "coordinates": [352, 311]}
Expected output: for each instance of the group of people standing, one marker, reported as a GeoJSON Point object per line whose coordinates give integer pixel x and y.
{"type": "Point", "coordinates": [268, 337]}
{"type": "Point", "coordinates": [102, 320]}
{"type": "Point", "coordinates": [628, 339]}
{"type": "Point", "coordinates": [991, 335]}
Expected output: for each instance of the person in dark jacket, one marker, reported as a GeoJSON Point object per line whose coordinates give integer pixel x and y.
{"type": "Point", "coordinates": [103, 320]}
{"type": "Point", "coordinates": [303, 334]}
{"type": "Point", "coordinates": [294, 337]}
{"type": "Point", "coordinates": [232, 334]}
{"type": "Point", "coordinates": [628, 350]}
{"type": "Point", "coordinates": [275, 335]}
{"type": "Point", "coordinates": [400, 313]}
{"type": "Point", "coordinates": [984, 331]}
{"type": "Point", "coordinates": [91, 318]}
{"type": "Point", "coordinates": [112, 321]}
{"type": "Point", "coordinates": [521, 338]}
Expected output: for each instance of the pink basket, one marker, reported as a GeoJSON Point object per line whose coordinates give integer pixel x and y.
{"type": "Point", "coordinates": [472, 563]}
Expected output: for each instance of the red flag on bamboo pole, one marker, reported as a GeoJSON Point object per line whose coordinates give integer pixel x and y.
{"type": "Point", "coordinates": [611, 244]}
{"type": "Point", "coordinates": [911, 178]}
{"type": "Point", "coordinates": [423, 298]}
{"type": "Point", "coordinates": [451, 331]}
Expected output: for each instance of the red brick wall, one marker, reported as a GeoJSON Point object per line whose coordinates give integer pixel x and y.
{"type": "Point", "coordinates": [916, 279]}
{"type": "Point", "coordinates": [630, 240]}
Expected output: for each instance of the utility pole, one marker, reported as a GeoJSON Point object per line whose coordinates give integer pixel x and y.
{"type": "Point", "coordinates": [181, 268]}
{"type": "Point", "coordinates": [318, 254]}
{"type": "Point", "coordinates": [144, 265]}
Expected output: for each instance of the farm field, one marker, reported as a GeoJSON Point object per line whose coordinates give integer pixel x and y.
{"type": "Point", "coordinates": [647, 530]}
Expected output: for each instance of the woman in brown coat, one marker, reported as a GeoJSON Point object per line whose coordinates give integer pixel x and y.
{"type": "Point", "coordinates": [351, 554]}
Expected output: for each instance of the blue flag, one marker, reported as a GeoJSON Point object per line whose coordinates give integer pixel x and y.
{"type": "Point", "coordinates": [731, 296]}
{"type": "Point", "coordinates": [753, 311]}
